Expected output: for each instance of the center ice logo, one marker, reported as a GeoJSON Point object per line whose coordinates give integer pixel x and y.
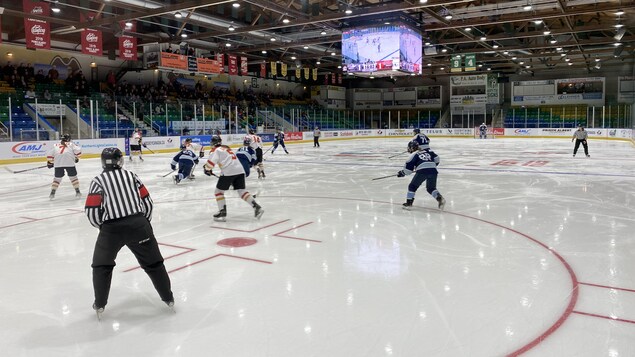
{"type": "Point", "coordinates": [28, 147]}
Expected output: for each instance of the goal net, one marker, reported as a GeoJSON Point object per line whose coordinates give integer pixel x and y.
{"type": "Point", "coordinates": [489, 134]}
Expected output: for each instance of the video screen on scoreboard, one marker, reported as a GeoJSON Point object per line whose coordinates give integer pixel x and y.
{"type": "Point", "coordinates": [382, 48]}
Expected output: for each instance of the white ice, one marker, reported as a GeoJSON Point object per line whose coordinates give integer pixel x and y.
{"type": "Point", "coordinates": [534, 254]}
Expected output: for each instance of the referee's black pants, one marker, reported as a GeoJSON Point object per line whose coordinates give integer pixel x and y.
{"type": "Point", "coordinates": [136, 233]}
{"type": "Point", "coordinates": [577, 145]}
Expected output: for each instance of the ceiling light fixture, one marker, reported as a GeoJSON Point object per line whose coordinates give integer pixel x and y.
{"type": "Point", "coordinates": [537, 22]}
{"type": "Point", "coordinates": [285, 21]}
{"type": "Point", "coordinates": [567, 59]}
{"type": "Point", "coordinates": [619, 12]}
{"type": "Point", "coordinates": [293, 57]}
{"type": "Point", "coordinates": [521, 63]}
{"type": "Point", "coordinates": [563, 54]}
{"type": "Point", "coordinates": [514, 58]}
{"type": "Point", "coordinates": [546, 33]}
{"type": "Point", "coordinates": [489, 69]}
{"type": "Point", "coordinates": [273, 39]}
{"type": "Point", "coordinates": [56, 9]}
{"type": "Point", "coordinates": [236, 4]}
{"type": "Point", "coordinates": [468, 29]}
{"type": "Point", "coordinates": [429, 64]}
{"type": "Point", "coordinates": [372, 77]}
{"type": "Point", "coordinates": [559, 49]}
{"type": "Point", "coordinates": [318, 62]}
{"type": "Point", "coordinates": [306, 47]}
{"type": "Point", "coordinates": [264, 52]}
{"type": "Point", "coordinates": [495, 46]}
{"type": "Point", "coordinates": [184, 35]}
{"type": "Point", "coordinates": [617, 26]}
{"type": "Point", "coordinates": [570, 63]}
{"type": "Point", "coordinates": [597, 60]}
{"type": "Point", "coordinates": [128, 24]}
{"type": "Point", "coordinates": [553, 40]}
{"type": "Point", "coordinates": [348, 11]}
{"type": "Point", "coordinates": [423, 1]}
{"type": "Point", "coordinates": [339, 67]}
{"type": "Point", "coordinates": [616, 44]}
{"type": "Point", "coordinates": [228, 45]}
{"type": "Point", "coordinates": [333, 53]}
{"type": "Point", "coordinates": [231, 28]}
{"type": "Point", "coordinates": [323, 33]}
{"type": "Point", "coordinates": [506, 52]}
{"type": "Point", "coordinates": [443, 68]}
{"type": "Point", "coordinates": [178, 15]}
{"type": "Point", "coordinates": [427, 43]}
{"type": "Point", "coordinates": [444, 50]}
{"type": "Point", "coordinates": [527, 7]}
{"type": "Point", "coordinates": [448, 17]}
{"type": "Point", "coordinates": [483, 38]}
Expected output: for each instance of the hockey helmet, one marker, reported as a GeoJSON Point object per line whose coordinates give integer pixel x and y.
{"type": "Point", "coordinates": [183, 147]}
{"type": "Point", "coordinates": [247, 141]}
{"type": "Point", "coordinates": [66, 138]}
{"type": "Point", "coordinates": [417, 131]}
{"type": "Point", "coordinates": [413, 146]}
{"type": "Point", "coordinates": [188, 140]}
{"type": "Point", "coordinates": [111, 159]}
{"type": "Point", "coordinates": [252, 131]}
{"type": "Point", "coordinates": [216, 140]}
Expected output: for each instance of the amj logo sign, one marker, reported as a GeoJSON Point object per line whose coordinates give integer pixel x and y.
{"type": "Point", "coordinates": [29, 147]}
{"type": "Point", "coordinates": [522, 131]}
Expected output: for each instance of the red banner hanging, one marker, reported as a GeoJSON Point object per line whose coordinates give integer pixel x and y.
{"type": "Point", "coordinates": [326, 78]}
{"type": "Point", "coordinates": [128, 44]}
{"type": "Point", "coordinates": [339, 78]}
{"type": "Point", "coordinates": [37, 32]}
{"type": "Point", "coordinates": [91, 39]}
{"type": "Point", "coordinates": [221, 62]}
{"type": "Point", "coordinates": [263, 70]}
{"type": "Point", "coordinates": [232, 65]}
{"type": "Point", "coordinates": [332, 78]}
{"type": "Point", "coordinates": [243, 66]}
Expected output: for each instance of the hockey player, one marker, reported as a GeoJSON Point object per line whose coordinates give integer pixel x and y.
{"type": "Point", "coordinates": [195, 148]}
{"type": "Point", "coordinates": [135, 143]}
{"type": "Point", "coordinates": [232, 174]}
{"type": "Point", "coordinates": [278, 139]}
{"type": "Point", "coordinates": [316, 137]}
{"type": "Point", "coordinates": [421, 139]}
{"type": "Point", "coordinates": [424, 164]}
{"type": "Point", "coordinates": [186, 160]}
{"type": "Point", "coordinates": [482, 131]}
{"type": "Point", "coordinates": [63, 157]}
{"type": "Point", "coordinates": [256, 144]}
{"type": "Point", "coordinates": [246, 155]}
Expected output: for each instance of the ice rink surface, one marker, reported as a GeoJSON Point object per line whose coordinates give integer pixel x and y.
{"type": "Point", "coordinates": [533, 255]}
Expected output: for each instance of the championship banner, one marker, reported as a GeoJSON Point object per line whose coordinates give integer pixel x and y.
{"type": "Point", "coordinates": [243, 66]}
{"type": "Point", "coordinates": [263, 70]}
{"type": "Point", "coordinates": [306, 73]}
{"type": "Point", "coordinates": [298, 73]}
{"type": "Point", "coordinates": [208, 66]}
{"type": "Point", "coordinates": [220, 58]}
{"type": "Point", "coordinates": [91, 39]}
{"type": "Point", "coordinates": [274, 68]}
{"type": "Point", "coordinates": [332, 78]}
{"type": "Point", "coordinates": [37, 32]}
{"type": "Point", "coordinates": [339, 78]}
{"type": "Point", "coordinates": [232, 65]}
{"type": "Point", "coordinates": [174, 61]}
{"type": "Point", "coordinates": [315, 74]}
{"type": "Point", "coordinates": [128, 44]}
{"type": "Point", "coordinates": [283, 69]}
{"type": "Point", "coordinates": [326, 78]}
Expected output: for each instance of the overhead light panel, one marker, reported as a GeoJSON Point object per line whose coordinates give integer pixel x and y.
{"type": "Point", "coordinates": [423, 1]}
{"type": "Point", "coordinates": [184, 35]}
{"type": "Point", "coordinates": [448, 17]}
{"type": "Point", "coordinates": [444, 50]}
{"type": "Point", "coordinates": [228, 44]}
{"type": "Point", "coordinates": [468, 29]}
{"type": "Point", "coordinates": [306, 47]}
{"type": "Point", "coordinates": [178, 15]}
{"type": "Point", "coordinates": [619, 12]}
{"type": "Point", "coordinates": [323, 33]}
{"type": "Point", "coordinates": [553, 40]}
{"type": "Point", "coordinates": [495, 46]}
{"type": "Point", "coordinates": [570, 63]}
{"type": "Point", "coordinates": [333, 54]}
{"type": "Point", "coordinates": [285, 21]}
{"type": "Point", "coordinates": [128, 24]}
{"type": "Point", "coordinates": [231, 28]}
{"type": "Point", "coordinates": [527, 7]}
{"type": "Point", "coordinates": [264, 52]}
{"type": "Point", "coordinates": [236, 4]}
{"type": "Point", "coordinates": [483, 38]}
{"type": "Point", "coordinates": [537, 22]}
{"type": "Point", "coordinates": [318, 62]}
{"type": "Point", "coordinates": [273, 39]}
{"type": "Point", "coordinates": [348, 11]}
{"type": "Point", "coordinates": [56, 9]}
{"type": "Point", "coordinates": [293, 57]}
{"type": "Point", "coordinates": [617, 26]}
{"type": "Point", "coordinates": [546, 33]}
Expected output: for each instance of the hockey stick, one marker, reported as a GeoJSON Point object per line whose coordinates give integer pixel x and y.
{"type": "Point", "coordinates": [271, 147]}
{"type": "Point", "coordinates": [401, 153]}
{"type": "Point", "coordinates": [383, 177]}
{"type": "Point", "coordinates": [150, 150]}
{"type": "Point", "coordinates": [18, 171]}
{"type": "Point", "coordinates": [166, 174]}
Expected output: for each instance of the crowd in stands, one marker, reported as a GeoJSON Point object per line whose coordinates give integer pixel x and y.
{"type": "Point", "coordinates": [24, 77]}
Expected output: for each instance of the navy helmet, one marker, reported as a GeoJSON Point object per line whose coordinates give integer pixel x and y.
{"type": "Point", "coordinates": [111, 159]}
{"type": "Point", "coordinates": [413, 146]}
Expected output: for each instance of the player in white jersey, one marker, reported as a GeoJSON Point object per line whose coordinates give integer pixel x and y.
{"type": "Point", "coordinates": [135, 143]}
{"type": "Point", "coordinates": [232, 175]}
{"type": "Point", "coordinates": [195, 148]}
{"type": "Point", "coordinates": [256, 144]}
{"type": "Point", "coordinates": [63, 157]}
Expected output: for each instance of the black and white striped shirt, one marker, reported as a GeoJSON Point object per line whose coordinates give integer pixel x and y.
{"type": "Point", "coordinates": [116, 194]}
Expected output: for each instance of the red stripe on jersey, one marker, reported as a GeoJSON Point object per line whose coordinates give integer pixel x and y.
{"type": "Point", "coordinates": [218, 194]}
{"type": "Point", "coordinates": [211, 163]}
{"type": "Point", "coordinates": [245, 195]}
{"type": "Point", "coordinates": [93, 200]}
{"type": "Point", "coordinates": [143, 191]}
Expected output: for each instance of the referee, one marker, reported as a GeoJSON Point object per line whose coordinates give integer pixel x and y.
{"type": "Point", "coordinates": [120, 206]}
{"type": "Point", "coordinates": [580, 136]}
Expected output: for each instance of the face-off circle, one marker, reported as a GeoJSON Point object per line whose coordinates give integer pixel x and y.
{"type": "Point", "coordinates": [236, 242]}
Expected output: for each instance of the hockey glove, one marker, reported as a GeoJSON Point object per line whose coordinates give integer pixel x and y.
{"type": "Point", "coordinates": [207, 172]}
{"type": "Point", "coordinates": [173, 167]}
{"type": "Point", "coordinates": [76, 159]}
{"type": "Point", "coordinates": [201, 154]}
{"type": "Point", "coordinates": [49, 165]}
{"type": "Point", "coordinates": [401, 174]}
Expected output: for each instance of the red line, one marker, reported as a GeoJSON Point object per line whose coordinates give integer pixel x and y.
{"type": "Point", "coordinates": [215, 256]}
{"type": "Point", "coordinates": [24, 189]}
{"type": "Point", "coordinates": [574, 288]}
{"type": "Point", "coordinates": [38, 219]}
{"type": "Point", "coordinates": [29, 218]}
{"type": "Point", "coordinates": [609, 287]}
{"type": "Point", "coordinates": [604, 317]}
{"type": "Point", "coordinates": [187, 250]}
{"type": "Point", "coordinates": [251, 231]}
{"type": "Point", "coordinates": [279, 234]}
{"type": "Point", "coordinates": [176, 246]}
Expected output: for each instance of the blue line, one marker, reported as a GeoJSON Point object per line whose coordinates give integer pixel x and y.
{"type": "Point", "coordinates": [460, 169]}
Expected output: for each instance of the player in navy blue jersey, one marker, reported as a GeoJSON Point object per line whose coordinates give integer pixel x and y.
{"type": "Point", "coordinates": [421, 139]}
{"type": "Point", "coordinates": [278, 139]}
{"type": "Point", "coordinates": [246, 155]}
{"type": "Point", "coordinates": [186, 159]}
{"type": "Point", "coordinates": [482, 131]}
{"type": "Point", "coordinates": [424, 164]}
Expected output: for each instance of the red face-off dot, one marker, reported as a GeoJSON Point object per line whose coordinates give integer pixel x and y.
{"type": "Point", "coordinates": [236, 242]}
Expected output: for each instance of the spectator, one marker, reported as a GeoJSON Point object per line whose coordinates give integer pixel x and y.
{"type": "Point", "coordinates": [47, 95]}
{"type": "Point", "coordinates": [30, 93]}
{"type": "Point", "coordinates": [111, 80]}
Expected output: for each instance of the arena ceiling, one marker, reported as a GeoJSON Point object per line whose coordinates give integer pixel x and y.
{"type": "Point", "coordinates": [525, 36]}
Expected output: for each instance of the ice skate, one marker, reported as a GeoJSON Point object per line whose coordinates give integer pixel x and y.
{"type": "Point", "coordinates": [441, 201]}
{"type": "Point", "coordinates": [99, 311]}
{"type": "Point", "coordinates": [408, 204]}
{"type": "Point", "coordinates": [587, 155]}
{"type": "Point", "coordinates": [78, 193]}
{"type": "Point", "coordinates": [286, 152]}
{"type": "Point", "coordinates": [258, 211]}
{"type": "Point", "coordinates": [140, 158]}
{"type": "Point", "coordinates": [52, 196]}
{"type": "Point", "coordinates": [263, 174]}
{"type": "Point", "coordinates": [176, 179]}
{"type": "Point", "coordinates": [221, 216]}
{"type": "Point", "coordinates": [171, 305]}
{"type": "Point", "coordinates": [573, 155]}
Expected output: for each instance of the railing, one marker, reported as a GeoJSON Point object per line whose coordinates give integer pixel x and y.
{"type": "Point", "coordinates": [609, 116]}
